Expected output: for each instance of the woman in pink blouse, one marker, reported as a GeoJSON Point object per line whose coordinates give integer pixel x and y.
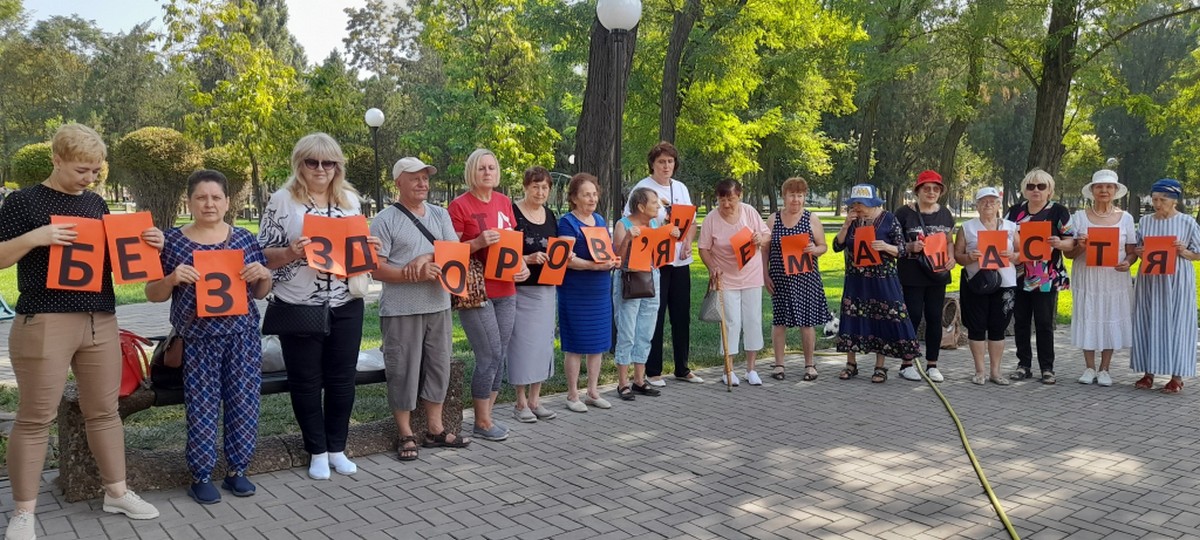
{"type": "Point", "coordinates": [741, 288]}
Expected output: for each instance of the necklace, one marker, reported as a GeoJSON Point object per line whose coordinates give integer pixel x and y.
{"type": "Point", "coordinates": [1111, 211]}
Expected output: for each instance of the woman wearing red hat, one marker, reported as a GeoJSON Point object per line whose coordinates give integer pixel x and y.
{"type": "Point", "coordinates": [925, 278]}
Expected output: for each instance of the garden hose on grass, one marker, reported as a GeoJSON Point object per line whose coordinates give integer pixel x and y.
{"type": "Point", "coordinates": [962, 435]}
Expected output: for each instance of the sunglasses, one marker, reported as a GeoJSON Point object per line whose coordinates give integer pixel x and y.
{"type": "Point", "coordinates": [1036, 187]}
{"type": "Point", "coordinates": [312, 164]}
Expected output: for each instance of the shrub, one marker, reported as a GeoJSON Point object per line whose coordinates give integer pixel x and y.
{"type": "Point", "coordinates": [154, 164]}
{"type": "Point", "coordinates": [236, 167]}
{"type": "Point", "coordinates": [33, 163]}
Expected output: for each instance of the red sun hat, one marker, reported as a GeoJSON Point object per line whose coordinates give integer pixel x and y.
{"type": "Point", "coordinates": [927, 177]}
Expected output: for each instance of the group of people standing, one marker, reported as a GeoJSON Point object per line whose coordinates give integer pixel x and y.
{"type": "Point", "coordinates": [1154, 315]}
{"type": "Point", "coordinates": [881, 306]}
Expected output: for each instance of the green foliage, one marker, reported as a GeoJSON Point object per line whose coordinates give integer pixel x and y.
{"type": "Point", "coordinates": [360, 169]}
{"type": "Point", "coordinates": [234, 164]}
{"type": "Point", "coordinates": [250, 103]}
{"type": "Point", "coordinates": [154, 164]}
{"type": "Point", "coordinates": [32, 164]}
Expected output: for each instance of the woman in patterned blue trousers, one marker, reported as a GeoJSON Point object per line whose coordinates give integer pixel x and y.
{"type": "Point", "coordinates": [222, 356]}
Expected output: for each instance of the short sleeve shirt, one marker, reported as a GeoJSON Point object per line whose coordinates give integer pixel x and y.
{"type": "Point", "coordinates": [715, 235]}
{"type": "Point", "coordinates": [1044, 276]}
{"type": "Point", "coordinates": [402, 242]}
{"type": "Point", "coordinates": [178, 249]}
{"type": "Point", "coordinates": [537, 239]}
{"type": "Point", "coordinates": [675, 193]}
{"type": "Point", "coordinates": [27, 209]}
{"type": "Point", "coordinates": [472, 216]}
{"type": "Point", "coordinates": [297, 282]}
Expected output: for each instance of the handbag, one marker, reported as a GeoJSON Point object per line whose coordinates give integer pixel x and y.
{"type": "Point", "coordinates": [984, 282]}
{"type": "Point", "coordinates": [710, 309]}
{"type": "Point", "coordinates": [637, 285]}
{"type": "Point", "coordinates": [284, 319]}
{"type": "Point", "coordinates": [169, 352]}
{"type": "Point", "coordinates": [476, 285]}
{"type": "Point", "coordinates": [941, 277]}
{"type": "Point", "coordinates": [135, 366]}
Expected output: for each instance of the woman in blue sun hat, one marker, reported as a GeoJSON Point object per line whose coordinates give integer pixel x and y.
{"type": "Point", "coordinates": [874, 317]}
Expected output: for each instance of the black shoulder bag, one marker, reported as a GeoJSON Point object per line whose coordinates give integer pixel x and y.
{"type": "Point", "coordinates": [476, 285]}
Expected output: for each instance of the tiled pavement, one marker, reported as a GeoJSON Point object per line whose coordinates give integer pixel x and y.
{"type": "Point", "coordinates": [826, 459]}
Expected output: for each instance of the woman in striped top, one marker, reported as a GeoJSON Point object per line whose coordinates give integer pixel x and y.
{"type": "Point", "coordinates": [1166, 302]}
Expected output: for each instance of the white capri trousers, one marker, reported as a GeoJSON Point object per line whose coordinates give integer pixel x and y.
{"type": "Point", "coordinates": [743, 317]}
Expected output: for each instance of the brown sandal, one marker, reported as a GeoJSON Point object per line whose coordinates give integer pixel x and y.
{"type": "Point", "coordinates": [848, 372]}
{"type": "Point", "coordinates": [406, 453]}
{"type": "Point", "coordinates": [1173, 386]}
{"type": "Point", "coordinates": [439, 440]}
{"type": "Point", "coordinates": [880, 375]}
{"type": "Point", "coordinates": [810, 373]}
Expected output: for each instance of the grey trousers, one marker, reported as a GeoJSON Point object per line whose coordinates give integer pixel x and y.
{"type": "Point", "coordinates": [488, 329]}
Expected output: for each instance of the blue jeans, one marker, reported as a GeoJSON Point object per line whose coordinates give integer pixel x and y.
{"type": "Point", "coordinates": [635, 323]}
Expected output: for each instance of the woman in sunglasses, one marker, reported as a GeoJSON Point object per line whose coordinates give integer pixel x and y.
{"type": "Point", "coordinates": [1038, 282]}
{"type": "Point", "coordinates": [316, 364]}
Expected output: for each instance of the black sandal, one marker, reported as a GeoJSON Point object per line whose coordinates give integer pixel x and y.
{"type": "Point", "coordinates": [810, 373]}
{"type": "Point", "coordinates": [779, 372]}
{"type": "Point", "coordinates": [848, 372]}
{"type": "Point", "coordinates": [439, 440]}
{"type": "Point", "coordinates": [880, 375]}
{"type": "Point", "coordinates": [404, 452]}
{"type": "Point", "coordinates": [625, 393]}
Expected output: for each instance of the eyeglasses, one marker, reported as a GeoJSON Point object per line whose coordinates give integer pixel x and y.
{"type": "Point", "coordinates": [312, 164]}
{"type": "Point", "coordinates": [1036, 187]}
{"type": "Point", "coordinates": [988, 202]}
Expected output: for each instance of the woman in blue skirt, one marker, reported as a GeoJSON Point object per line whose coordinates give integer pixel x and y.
{"type": "Point", "coordinates": [874, 317]}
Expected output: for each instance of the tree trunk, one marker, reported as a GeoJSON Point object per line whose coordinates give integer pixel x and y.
{"type": "Point", "coordinates": [681, 29]}
{"type": "Point", "coordinates": [255, 180]}
{"type": "Point", "coordinates": [594, 148]}
{"type": "Point", "coordinates": [1058, 68]}
{"type": "Point", "coordinates": [866, 139]}
{"type": "Point", "coordinates": [958, 127]}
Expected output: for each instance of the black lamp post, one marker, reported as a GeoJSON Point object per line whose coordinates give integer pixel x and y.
{"type": "Point", "coordinates": [618, 16]}
{"type": "Point", "coordinates": [374, 118]}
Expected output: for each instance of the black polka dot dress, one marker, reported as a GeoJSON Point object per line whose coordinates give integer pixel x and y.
{"type": "Point", "coordinates": [799, 299]}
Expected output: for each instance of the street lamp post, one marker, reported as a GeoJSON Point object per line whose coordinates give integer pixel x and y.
{"type": "Point", "coordinates": [374, 119]}
{"type": "Point", "coordinates": [618, 16]}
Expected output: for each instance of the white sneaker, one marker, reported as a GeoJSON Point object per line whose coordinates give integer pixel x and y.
{"type": "Point", "coordinates": [576, 406]}
{"type": "Point", "coordinates": [733, 382]}
{"type": "Point", "coordinates": [753, 378]}
{"type": "Point", "coordinates": [657, 382]}
{"type": "Point", "coordinates": [1088, 377]}
{"type": "Point", "coordinates": [1103, 379]}
{"type": "Point", "coordinates": [131, 505]}
{"type": "Point", "coordinates": [21, 526]}
{"type": "Point", "coordinates": [934, 374]}
{"type": "Point", "coordinates": [910, 373]}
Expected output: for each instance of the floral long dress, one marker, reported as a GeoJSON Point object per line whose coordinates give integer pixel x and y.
{"type": "Point", "coordinates": [874, 317]}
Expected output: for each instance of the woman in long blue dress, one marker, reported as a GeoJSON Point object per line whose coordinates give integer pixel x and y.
{"type": "Point", "coordinates": [585, 296]}
{"type": "Point", "coordinates": [797, 300]}
{"type": "Point", "coordinates": [874, 317]}
{"type": "Point", "coordinates": [1164, 306]}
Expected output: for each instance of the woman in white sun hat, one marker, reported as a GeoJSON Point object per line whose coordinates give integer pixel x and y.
{"type": "Point", "coordinates": [1102, 305]}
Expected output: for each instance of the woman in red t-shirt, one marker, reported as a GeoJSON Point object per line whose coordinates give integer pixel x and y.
{"type": "Point", "coordinates": [476, 215]}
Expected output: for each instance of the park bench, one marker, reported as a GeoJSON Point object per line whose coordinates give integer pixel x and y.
{"type": "Point", "coordinates": [79, 477]}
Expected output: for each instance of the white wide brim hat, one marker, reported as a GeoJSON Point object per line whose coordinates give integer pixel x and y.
{"type": "Point", "coordinates": [1104, 176]}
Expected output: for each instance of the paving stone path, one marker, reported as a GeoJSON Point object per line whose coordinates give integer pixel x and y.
{"type": "Point", "coordinates": [823, 459]}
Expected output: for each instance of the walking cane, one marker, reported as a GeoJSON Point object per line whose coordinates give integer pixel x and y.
{"type": "Point", "coordinates": [716, 284]}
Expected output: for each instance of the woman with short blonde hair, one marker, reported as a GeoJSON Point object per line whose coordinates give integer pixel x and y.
{"type": "Point", "coordinates": [61, 329]}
